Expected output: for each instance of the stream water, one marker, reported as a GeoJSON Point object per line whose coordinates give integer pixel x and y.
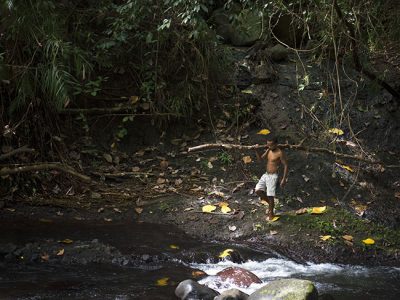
{"type": "Point", "coordinates": [111, 281]}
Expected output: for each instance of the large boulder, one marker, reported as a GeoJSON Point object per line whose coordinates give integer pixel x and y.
{"type": "Point", "coordinates": [243, 31]}
{"type": "Point", "coordinates": [232, 294]}
{"type": "Point", "coordinates": [192, 290]}
{"type": "Point", "coordinates": [238, 276]}
{"type": "Point", "coordinates": [277, 53]}
{"type": "Point", "coordinates": [286, 289]}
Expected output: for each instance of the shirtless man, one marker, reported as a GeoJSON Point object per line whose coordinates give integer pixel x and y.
{"type": "Point", "coordinates": [266, 186]}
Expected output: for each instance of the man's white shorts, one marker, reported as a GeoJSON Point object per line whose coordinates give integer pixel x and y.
{"type": "Point", "coordinates": [267, 183]}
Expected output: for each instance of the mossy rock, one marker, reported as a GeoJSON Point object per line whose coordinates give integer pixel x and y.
{"type": "Point", "coordinates": [286, 289]}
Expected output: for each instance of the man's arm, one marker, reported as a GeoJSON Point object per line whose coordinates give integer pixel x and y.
{"type": "Point", "coordinates": [262, 156]}
{"type": "Point", "coordinates": [285, 168]}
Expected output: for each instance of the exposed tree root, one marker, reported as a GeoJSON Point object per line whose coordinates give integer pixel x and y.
{"type": "Point", "coordinates": [44, 166]}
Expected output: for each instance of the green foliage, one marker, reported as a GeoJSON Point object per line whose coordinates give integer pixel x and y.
{"type": "Point", "coordinates": [225, 158]}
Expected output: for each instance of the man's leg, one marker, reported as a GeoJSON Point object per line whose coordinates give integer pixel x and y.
{"type": "Point", "coordinates": [270, 200]}
{"type": "Point", "coordinates": [271, 205]}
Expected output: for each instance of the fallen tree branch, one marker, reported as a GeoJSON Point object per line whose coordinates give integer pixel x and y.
{"type": "Point", "coordinates": [285, 146]}
{"type": "Point", "coordinates": [125, 111]}
{"type": "Point", "coordinates": [44, 166]}
{"type": "Point", "coordinates": [121, 174]}
{"type": "Point", "coordinates": [16, 151]}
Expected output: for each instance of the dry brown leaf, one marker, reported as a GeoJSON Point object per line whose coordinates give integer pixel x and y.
{"type": "Point", "coordinates": [139, 210]}
{"type": "Point", "coordinates": [301, 211]}
{"type": "Point", "coordinates": [45, 257]}
{"type": "Point", "coordinates": [161, 180]}
{"type": "Point", "coordinates": [198, 273]}
{"type": "Point", "coordinates": [140, 153]}
{"type": "Point", "coordinates": [178, 181]}
{"type": "Point", "coordinates": [347, 238]}
{"type": "Point", "coordinates": [164, 164]}
{"type": "Point", "coordinates": [60, 252]}
{"type": "Point", "coordinates": [348, 243]}
{"type": "Point", "coordinates": [135, 169]}
{"type": "Point", "coordinates": [247, 159]}
{"type": "Point", "coordinates": [273, 232]}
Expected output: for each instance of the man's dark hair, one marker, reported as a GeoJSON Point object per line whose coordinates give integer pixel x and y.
{"type": "Point", "coordinates": [272, 138]}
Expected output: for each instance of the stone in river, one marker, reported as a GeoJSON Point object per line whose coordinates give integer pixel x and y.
{"type": "Point", "coordinates": [238, 276]}
{"type": "Point", "coordinates": [232, 294]}
{"type": "Point", "coordinates": [192, 290]}
{"type": "Point", "coordinates": [286, 289]}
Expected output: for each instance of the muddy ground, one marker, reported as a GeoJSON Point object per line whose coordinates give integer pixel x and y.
{"type": "Point", "coordinates": [153, 178]}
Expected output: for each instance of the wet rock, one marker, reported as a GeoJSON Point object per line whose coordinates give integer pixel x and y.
{"type": "Point", "coordinates": [232, 294]}
{"type": "Point", "coordinates": [192, 290]}
{"type": "Point", "coordinates": [286, 289]}
{"type": "Point", "coordinates": [238, 276]}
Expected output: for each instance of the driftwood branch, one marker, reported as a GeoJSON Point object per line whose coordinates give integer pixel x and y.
{"type": "Point", "coordinates": [44, 166]}
{"type": "Point", "coordinates": [284, 146]}
{"type": "Point", "coordinates": [16, 151]}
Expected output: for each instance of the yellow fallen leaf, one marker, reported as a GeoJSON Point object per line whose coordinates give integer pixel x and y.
{"type": "Point", "coordinates": [66, 241]}
{"type": "Point", "coordinates": [336, 131]}
{"type": "Point", "coordinates": [247, 92]}
{"type": "Point", "coordinates": [222, 204]}
{"type": "Point", "coordinates": [274, 219]}
{"type": "Point", "coordinates": [347, 168]}
{"type": "Point", "coordinates": [225, 253]}
{"type": "Point", "coordinates": [60, 252]}
{"type": "Point", "coordinates": [247, 159]}
{"type": "Point", "coordinates": [347, 238]}
{"type": "Point", "coordinates": [318, 210]}
{"type": "Point", "coordinates": [325, 237]}
{"type": "Point", "coordinates": [162, 281]}
{"type": "Point", "coordinates": [208, 208]}
{"type": "Point", "coordinates": [174, 246]}
{"type": "Point", "coordinates": [225, 209]}
{"type": "Point", "coordinates": [264, 132]}
{"type": "Point", "coordinates": [368, 241]}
